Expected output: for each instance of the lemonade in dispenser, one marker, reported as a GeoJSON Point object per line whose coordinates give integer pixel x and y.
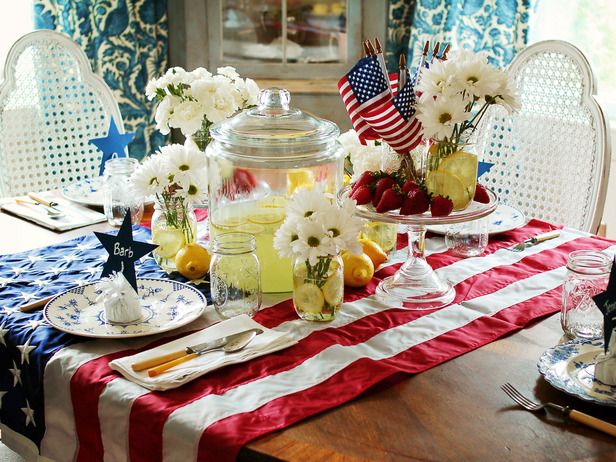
{"type": "Point", "coordinates": [257, 159]}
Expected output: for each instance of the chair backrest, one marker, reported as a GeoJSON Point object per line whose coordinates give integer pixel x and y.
{"type": "Point", "coordinates": [551, 158]}
{"type": "Point", "coordinates": [51, 105]}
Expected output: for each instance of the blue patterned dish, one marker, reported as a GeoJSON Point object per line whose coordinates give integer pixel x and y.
{"type": "Point", "coordinates": [166, 305]}
{"type": "Point", "coordinates": [503, 219]}
{"type": "Point", "coordinates": [570, 367]}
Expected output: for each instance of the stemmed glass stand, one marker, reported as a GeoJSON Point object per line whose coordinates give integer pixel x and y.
{"type": "Point", "coordinates": [416, 285]}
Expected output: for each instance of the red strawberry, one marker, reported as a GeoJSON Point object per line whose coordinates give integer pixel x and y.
{"type": "Point", "coordinates": [441, 206]}
{"type": "Point", "coordinates": [481, 195]}
{"type": "Point", "coordinates": [408, 186]}
{"type": "Point", "coordinates": [365, 179]}
{"type": "Point", "coordinates": [417, 201]}
{"type": "Point", "coordinates": [362, 195]}
{"type": "Point", "coordinates": [390, 200]}
{"type": "Point", "coordinates": [382, 185]}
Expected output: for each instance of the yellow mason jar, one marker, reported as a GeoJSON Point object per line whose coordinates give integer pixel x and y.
{"type": "Point", "coordinates": [451, 171]}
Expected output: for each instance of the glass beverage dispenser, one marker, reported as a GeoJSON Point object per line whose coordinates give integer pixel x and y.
{"type": "Point", "coordinates": [257, 160]}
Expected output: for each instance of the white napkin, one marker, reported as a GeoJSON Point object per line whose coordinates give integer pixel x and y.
{"type": "Point", "coordinates": [75, 216]}
{"type": "Point", "coordinates": [267, 342]}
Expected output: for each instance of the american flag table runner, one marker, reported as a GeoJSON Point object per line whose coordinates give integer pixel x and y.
{"type": "Point", "coordinates": [93, 414]}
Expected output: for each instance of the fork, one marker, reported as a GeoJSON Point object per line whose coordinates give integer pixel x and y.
{"type": "Point", "coordinates": [534, 240]}
{"type": "Point", "coordinates": [572, 414]}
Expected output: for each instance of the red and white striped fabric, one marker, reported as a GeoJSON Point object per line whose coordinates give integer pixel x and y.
{"type": "Point", "coordinates": [401, 135]}
{"type": "Point", "coordinates": [93, 414]}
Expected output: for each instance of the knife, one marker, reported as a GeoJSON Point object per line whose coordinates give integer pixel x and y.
{"type": "Point", "coordinates": [190, 352]}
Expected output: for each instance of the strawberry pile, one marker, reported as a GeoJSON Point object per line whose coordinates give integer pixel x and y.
{"type": "Point", "coordinates": [388, 192]}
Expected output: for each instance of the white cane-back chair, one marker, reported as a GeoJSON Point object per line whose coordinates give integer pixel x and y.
{"type": "Point", "coordinates": [551, 158]}
{"type": "Point", "coordinates": [51, 105]}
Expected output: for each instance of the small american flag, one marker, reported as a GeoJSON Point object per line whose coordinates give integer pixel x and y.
{"type": "Point", "coordinates": [364, 88]}
{"type": "Point", "coordinates": [395, 122]}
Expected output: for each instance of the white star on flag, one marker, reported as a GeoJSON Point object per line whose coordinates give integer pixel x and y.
{"type": "Point", "coordinates": [82, 247]}
{"type": "Point", "coordinates": [10, 311]}
{"type": "Point", "coordinates": [69, 258]}
{"type": "Point", "coordinates": [56, 270]}
{"type": "Point", "coordinates": [35, 323]}
{"type": "Point", "coordinates": [16, 374]}
{"type": "Point", "coordinates": [25, 349]}
{"type": "Point", "coordinates": [27, 297]}
{"type": "Point", "coordinates": [41, 282]}
{"type": "Point", "coordinates": [17, 271]}
{"type": "Point", "coordinates": [92, 270]}
{"type": "Point", "coordinates": [29, 414]}
{"type": "Point", "coordinates": [35, 258]}
{"type": "Point", "coordinates": [4, 281]}
{"type": "Point", "coordinates": [2, 332]}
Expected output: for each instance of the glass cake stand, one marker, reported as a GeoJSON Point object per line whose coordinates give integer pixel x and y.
{"type": "Point", "coordinates": [415, 285]}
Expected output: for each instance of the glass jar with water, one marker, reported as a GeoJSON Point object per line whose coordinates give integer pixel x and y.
{"type": "Point", "coordinates": [119, 197]}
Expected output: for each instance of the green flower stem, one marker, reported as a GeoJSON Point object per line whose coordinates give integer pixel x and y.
{"type": "Point", "coordinates": [176, 213]}
{"type": "Point", "coordinates": [318, 272]}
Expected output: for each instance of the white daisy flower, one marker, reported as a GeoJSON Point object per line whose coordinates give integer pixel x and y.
{"type": "Point", "coordinates": [506, 95]}
{"type": "Point", "coordinates": [307, 202]}
{"type": "Point", "coordinates": [285, 236]}
{"type": "Point", "coordinates": [475, 78]}
{"type": "Point", "coordinates": [313, 242]}
{"type": "Point", "coordinates": [439, 117]}
{"type": "Point", "coordinates": [437, 81]}
{"type": "Point", "coordinates": [342, 227]}
{"type": "Point", "coordinates": [194, 189]}
{"type": "Point", "coordinates": [184, 163]}
{"type": "Point", "coordinates": [151, 177]}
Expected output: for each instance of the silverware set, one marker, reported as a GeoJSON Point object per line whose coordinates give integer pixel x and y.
{"type": "Point", "coordinates": [49, 206]}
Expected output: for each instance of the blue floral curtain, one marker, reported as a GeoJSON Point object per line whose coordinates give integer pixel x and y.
{"type": "Point", "coordinates": [126, 42]}
{"type": "Point", "coordinates": [497, 27]}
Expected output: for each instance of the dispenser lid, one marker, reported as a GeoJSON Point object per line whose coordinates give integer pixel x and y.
{"type": "Point", "coordinates": [274, 126]}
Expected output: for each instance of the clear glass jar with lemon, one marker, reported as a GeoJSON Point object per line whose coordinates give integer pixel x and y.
{"type": "Point", "coordinates": [451, 171]}
{"type": "Point", "coordinates": [174, 225]}
{"type": "Point", "coordinates": [318, 290]}
{"type": "Point", "coordinates": [256, 160]}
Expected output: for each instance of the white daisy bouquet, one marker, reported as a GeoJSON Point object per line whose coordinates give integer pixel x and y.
{"type": "Point", "coordinates": [455, 95]}
{"type": "Point", "coordinates": [316, 229]}
{"type": "Point", "coordinates": [193, 101]}
{"type": "Point", "coordinates": [177, 176]}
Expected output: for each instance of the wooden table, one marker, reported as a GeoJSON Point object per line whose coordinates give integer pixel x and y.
{"type": "Point", "coordinates": [455, 411]}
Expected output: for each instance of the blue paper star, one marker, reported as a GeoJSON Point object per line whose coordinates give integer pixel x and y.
{"type": "Point", "coordinates": [483, 167]}
{"type": "Point", "coordinates": [113, 143]}
{"type": "Point", "coordinates": [123, 251]}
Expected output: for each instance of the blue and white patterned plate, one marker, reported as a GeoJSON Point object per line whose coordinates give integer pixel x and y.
{"type": "Point", "coordinates": [570, 367]}
{"type": "Point", "coordinates": [90, 191]}
{"type": "Point", "coordinates": [503, 219]}
{"type": "Point", "coordinates": [165, 304]}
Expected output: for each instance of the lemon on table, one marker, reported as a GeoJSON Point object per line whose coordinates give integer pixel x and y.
{"type": "Point", "coordinates": [440, 183]}
{"type": "Point", "coordinates": [298, 179]}
{"type": "Point", "coordinates": [169, 241]}
{"type": "Point", "coordinates": [308, 298]}
{"type": "Point", "coordinates": [358, 269]}
{"type": "Point", "coordinates": [193, 261]}
{"type": "Point", "coordinates": [374, 251]}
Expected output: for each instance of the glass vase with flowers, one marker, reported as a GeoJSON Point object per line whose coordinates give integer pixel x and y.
{"type": "Point", "coordinates": [315, 231]}
{"type": "Point", "coordinates": [455, 95]}
{"type": "Point", "coordinates": [177, 177]}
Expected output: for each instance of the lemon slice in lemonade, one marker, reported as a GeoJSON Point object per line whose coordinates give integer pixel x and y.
{"type": "Point", "coordinates": [267, 217]}
{"type": "Point", "coordinates": [299, 178]}
{"type": "Point", "coordinates": [463, 165]}
{"type": "Point", "coordinates": [169, 241]}
{"type": "Point", "coordinates": [250, 228]}
{"type": "Point", "coordinates": [446, 184]}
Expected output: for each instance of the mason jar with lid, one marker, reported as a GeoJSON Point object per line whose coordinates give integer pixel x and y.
{"type": "Point", "coordinates": [256, 161]}
{"type": "Point", "coordinates": [588, 273]}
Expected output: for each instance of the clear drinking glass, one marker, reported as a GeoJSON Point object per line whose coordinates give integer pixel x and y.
{"type": "Point", "coordinates": [588, 273]}
{"type": "Point", "coordinates": [468, 239]}
{"type": "Point", "coordinates": [235, 275]}
{"type": "Point", "coordinates": [119, 197]}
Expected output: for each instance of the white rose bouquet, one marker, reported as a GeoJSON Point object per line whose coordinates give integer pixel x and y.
{"type": "Point", "coordinates": [193, 101]}
{"type": "Point", "coordinates": [372, 156]}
